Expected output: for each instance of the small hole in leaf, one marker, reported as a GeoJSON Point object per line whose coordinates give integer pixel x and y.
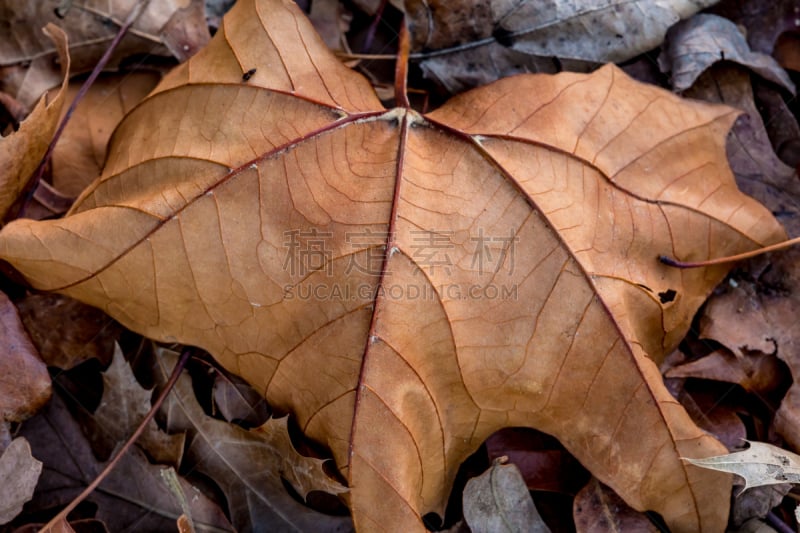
{"type": "Point", "coordinates": [667, 296]}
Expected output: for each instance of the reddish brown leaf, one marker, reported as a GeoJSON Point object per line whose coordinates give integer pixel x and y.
{"type": "Point", "coordinates": [407, 285]}
{"type": "Point", "coordinates": [24, 381]}
{"type": "Point", "coordinates": [598, 510]}
{"type": "Point", "coordinates": [67, 332]}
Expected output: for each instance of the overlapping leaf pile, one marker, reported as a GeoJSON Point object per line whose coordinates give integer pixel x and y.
{"type": "Point", "coordinates": [406, 285]}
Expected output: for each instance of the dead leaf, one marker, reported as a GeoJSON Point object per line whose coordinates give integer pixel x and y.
{"type": "Point", "coordinates": [146, 505]}
{"type": "Point", "coordinates": [763, 22]}
{"type": "Point", "coordinates": [124, 405]}
{"type": "Point", "coordinates": [709, 411]}
{"type": "Point", "coordinates": [19, 471]}
{"type": "Point", "coordinates": [542, 461]}
{"type": "Point", "coordinates": [768, 309]}
{"type": "Point", "coordinates": [91, 25]}
{"type": "Point", "coordinates": [238, 401]}
{"type": "Point", "coordinates": [21, 151]}
{"type": "Point", "coordinates": [248, 465]}
{"type": "Point", "coordinates": [597, 32]}
{"type": "Point", "coordinates": [332, 21]}
{"type": "Point", "coordinates": [760, 464]}
{"type": "Point", "coordinates": [598, 510]}
{"type": "Point", "coordinates": [67, 332]}
{"type": "Point", "coordinates": [350, 261]}
{"type": "Point", "coordinates": [24, 381]}
{"type": "Point", "coordinates": [756, 502]}
{"type": "Point", "coordinates": [693, 45]}
{"type": "Point", "coordinates": [79, 155]}
{"type": "Point", "coordinates": [498, 501]}
{"type": "Point", "coordinates": [758, 170]}
{"type": "Point", "coordinates": [753, 370]}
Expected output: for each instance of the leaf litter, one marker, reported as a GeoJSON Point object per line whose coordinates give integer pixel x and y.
{"type": "Point", "coordinates": [766, 149]}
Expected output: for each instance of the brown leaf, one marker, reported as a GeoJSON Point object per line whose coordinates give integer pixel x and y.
{"type": "Point", "coordinates": [79, 155]}
{"type": "Point", "coordinates": [544, 464]}
{"type": "Point", "coordinates": [758, 170]}
{"type": "Point", "coordinates": [124, 405]}
{"type": "Point", "coordinates": [21, 151]}
{"type": "Point", "coordinates": [24, 381]}
{"type": "Point", "coordinates": [754, 371]}
{"type": "Point", "coordinates": [764, 316]}
{"type": "Point", "coordinates": [20, 472]}
{"type": "Point", "coordinates": [147, 504]}
{"type": "Point", "coordinates": [238, 401]}
{"type": "Point", "coordinates": [406, 285]}
{"type": "Point", "coordinates": [693, 45]}
{"type": "Point", "coordinates": [524, 36]}
{"type": "Point", "coordinates": [498, 501]}
{"type": "Point", "coordinates": [248, 465]}
{"type": "Point", "coordinates": [67, 332]}
{"type": "Point", "coordinates": [598, 510]}
{"type": "Point", "coordinates": [91, 25]}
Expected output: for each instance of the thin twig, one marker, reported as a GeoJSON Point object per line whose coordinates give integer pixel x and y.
{"type": "Point", "coordinates": [37, 175]}
{"type": "Point", "coordinates": [669, 261]}
{"type": "Point", "coordinates": [173, 379]}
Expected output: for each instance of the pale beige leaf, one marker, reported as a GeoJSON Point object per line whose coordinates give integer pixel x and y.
{"type": "Point", "coordinates": [760, 464]}
{"type": "Point", "coordinates": [498, 501]}
{"type": "Point", "coordinates": [20, 472]}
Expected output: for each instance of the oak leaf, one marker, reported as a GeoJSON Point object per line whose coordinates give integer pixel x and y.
{"type": "Point", "coordinates": [249, 466]}
{"type": "Point", "coordinates": [406, 285]}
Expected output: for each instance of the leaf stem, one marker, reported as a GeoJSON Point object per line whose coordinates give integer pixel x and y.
{"type": "Point", "coordinates": [669, 261]}
{"type": "Point", "coordinates": [52, 525]}
{"type": "Point", "coordinates": [401, 67]}
{"type": "Point", "coordinates": [39, 172]}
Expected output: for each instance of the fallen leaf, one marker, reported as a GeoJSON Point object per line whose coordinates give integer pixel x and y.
{"type": "Point", "coordinates": [756, 502]}
{"type": "Point", "coordinates": [498, 501]}
{"type": "Point", "coordinates": [693, 45]}
{"type": "Point", "coordinates": [763, 22]}
{"type": "Point", "coordinates": [248, 465]}
{"type": "Point", "coordinates": [779, 121]}
{"type": "Point", "coordinates": [21, 151]}
{"type": "Point", "coordinates": [598, 510]}
{"type": "Point", "coordinates": [67, 332]}
{"type": "Point", "coordinates": [27, 59]}
{"type": "Point", "coordinates": [542, 461]}
{"type": "Point", "coordinates": [238, 401]}
{"type": "Point", "coordinates": [24, 381]}
{"type": "Point", "coordinates": [332, 21]}
{"type": "Point", "coordinates": [597, 32]}
{"type": "Point", "coordinates": [760, 464]}
{"type": "Point", "coordinates": [763, 315]}
{"type": "Point", "coordinates": [759, 172]}
{"type": "Point", "coordinates": [124, 405]}
{"type": "Point", "coordinates": [753, 370]}
{"type": "Point", "coordinates": [144, 505]}
{"type": "Point", "coordinates": [79, 155]}
{"type": "Point", "coordinates": [20, 472]}
{"type": "Point", "coordinates": [344, 260]}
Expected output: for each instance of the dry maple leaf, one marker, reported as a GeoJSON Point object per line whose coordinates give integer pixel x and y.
{"type": "Point", "coordinates": [406, 285]}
